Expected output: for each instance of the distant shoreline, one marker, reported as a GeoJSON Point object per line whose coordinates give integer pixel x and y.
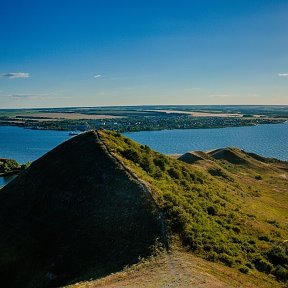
{"type": "Point", "coordinates": [143, 118]}
{"type": "Point", "coordinates": [137, 125]}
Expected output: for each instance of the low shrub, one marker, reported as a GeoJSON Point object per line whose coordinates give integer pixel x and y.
{"type": "Point", "coordinates": [281, 273]}
{"type": "Point", "coordinates": [244, 269]}
{"type": "Point", "coordinates": [262, 264]}
{"type": "Point", "coordinates": [212, 210]}
{"type": "Point", "coordinates": [227, 259]}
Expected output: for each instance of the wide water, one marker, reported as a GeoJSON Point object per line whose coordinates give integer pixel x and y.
{"type": "Point", "coordinates": [25, 145]}
{"type": "Point", "coordinates": [269, 140]}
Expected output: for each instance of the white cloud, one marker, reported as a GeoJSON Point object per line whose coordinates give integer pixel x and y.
{"type": "Point", "coordinates": [283, 74]}
{"type": "Point", "coordinates": [97, 76]}
{"type": "Point", "coordinates": [14, 75]}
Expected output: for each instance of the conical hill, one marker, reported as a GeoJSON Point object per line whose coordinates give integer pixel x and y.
{"type": "Point", "coordinates": [101, 201]}
{"type": "Point", "coordinates": [75, 212]}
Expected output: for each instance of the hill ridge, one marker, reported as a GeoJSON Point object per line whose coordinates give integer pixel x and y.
{"type": "Point", "coordinates": [74, 213]}
{"type": "Point", "coordinates": [165, 240]}
{"type": "Point", "coordinates": [211, 204]}
{"type": "Point", "coordinates": [100, 201]}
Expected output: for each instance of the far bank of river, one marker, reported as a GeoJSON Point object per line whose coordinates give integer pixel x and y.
{"type": "Point", "coordinates": [269, 140]}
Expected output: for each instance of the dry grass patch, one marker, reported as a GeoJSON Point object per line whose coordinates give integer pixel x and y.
{"type": "Point", "coordinates": [180, 269]}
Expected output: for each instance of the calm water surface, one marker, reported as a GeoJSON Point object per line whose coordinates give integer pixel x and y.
{"type": "Point", "coordinates": [25, 145]}
{"type": "Point", "coordinates": [5, 180]}
{"type": "Point", "coordinates": [269, 140]}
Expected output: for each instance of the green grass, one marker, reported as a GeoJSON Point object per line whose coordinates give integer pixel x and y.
{"type": "Point", "coordinates": [211, 214]}
{"type": "Point", "coordinates": [82, 211]}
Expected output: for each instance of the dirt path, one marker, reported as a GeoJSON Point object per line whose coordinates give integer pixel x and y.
{"type": "Point", "coordinates": [188, 272]}
{"type": "Point", "coordinates": [171, 270]}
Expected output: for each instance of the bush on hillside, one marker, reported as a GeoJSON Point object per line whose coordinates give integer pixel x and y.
{"type": "Point", "coordinates": [281, 273]}
{"type": "Point", "coordinates": [262, 264]}
{"type": "Point", "coordinates": [160, 162]}
{"type": "Point", "coordinates": [205, 214]}
{"type": "Point", "coordinates": [131, 154]}
{"type": "Point", "coordinates": [8, 165]}
{"type": "Point", "coordinates": [278, 255]}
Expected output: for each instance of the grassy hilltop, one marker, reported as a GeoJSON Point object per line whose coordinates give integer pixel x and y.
{"type": "Point", "coordinates": [228, 206]}
{"type": "Point", "coordinates": [100, 202]}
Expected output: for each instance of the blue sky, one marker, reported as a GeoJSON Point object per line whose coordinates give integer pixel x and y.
{"type": "Point", "coordinates": [134, 52]}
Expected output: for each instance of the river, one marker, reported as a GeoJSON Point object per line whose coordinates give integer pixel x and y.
{"type": "Point", "coordinates": [269, 140]}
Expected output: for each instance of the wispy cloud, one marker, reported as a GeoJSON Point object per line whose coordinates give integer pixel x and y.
{"type": "Point", "coordinates": [227, 96]}
{"type": "Point", "coordinates": [20, 95]}
{"type": "Point", "coordinates": [283, 74]}
{"type": "Point", "coordinates": [37, 96]}
{"type": "Point", "coordinates": [97, 76]}
{"type": "Point", "coordinates": [28, 95]}
{"type": "Point", "coordinates": [15, 75]}
{"type": "Point", "coordinates": [220, 95]}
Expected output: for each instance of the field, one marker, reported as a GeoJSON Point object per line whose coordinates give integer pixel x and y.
{"type": "Point", "coordinates": [60, 116]}
{"type": "Point", "coordinates": [204, 114]}
{"type": "Point", "coordinates": [143, 118]}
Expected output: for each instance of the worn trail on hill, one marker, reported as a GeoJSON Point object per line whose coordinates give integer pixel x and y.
{"type": "Point", "coordinates": [170, 261]}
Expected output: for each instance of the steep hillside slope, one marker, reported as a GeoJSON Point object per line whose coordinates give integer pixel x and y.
{"type": "Point", "coordinates": [233, 210]}
{"type": "Point", "coordinates": [100, 201]}
{"type": "Point", "coordinates": [74, 214]}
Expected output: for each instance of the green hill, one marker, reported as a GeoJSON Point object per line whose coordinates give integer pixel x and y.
{"type": "Point", "coordinates": [100, 202]}
{"type": "Point", "coordinates": [227, 207]}
{"type": "Point", "coordinates": [74, 213]}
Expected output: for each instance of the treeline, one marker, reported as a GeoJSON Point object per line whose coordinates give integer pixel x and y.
{"type": "Point", "coordinates": [143, 123]}
{"type": "Point", "coordinates": [10, 167]}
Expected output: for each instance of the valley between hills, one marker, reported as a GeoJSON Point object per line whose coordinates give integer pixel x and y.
{"type": "Point", "coordinates": [101, 210]}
